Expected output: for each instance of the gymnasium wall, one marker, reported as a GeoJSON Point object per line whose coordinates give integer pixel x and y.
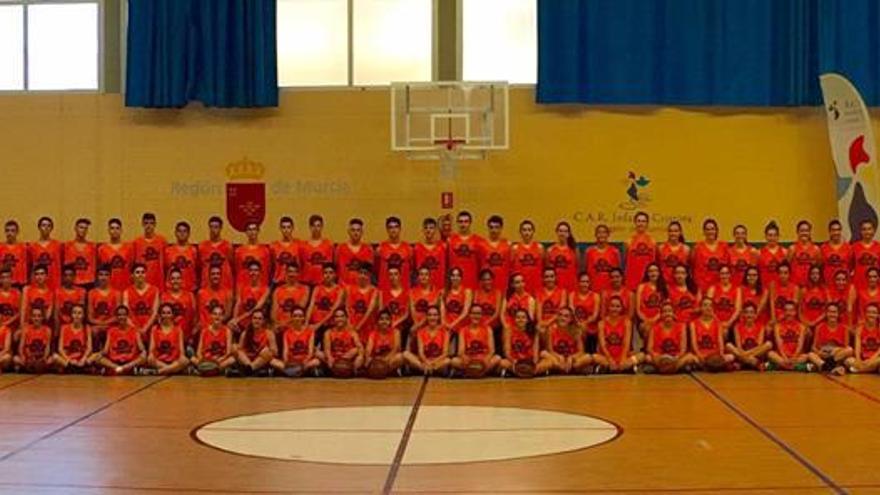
{"type": "Point", "coordinates": [327, 151]}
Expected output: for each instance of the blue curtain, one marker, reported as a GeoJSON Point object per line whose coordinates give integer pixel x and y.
{"type": "Point", "coordinates": [704, 52]}
{"type": "Point", "coordinates": [219, 52]}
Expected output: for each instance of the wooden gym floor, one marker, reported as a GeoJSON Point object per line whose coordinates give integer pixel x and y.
{"type": "Point", "coordinates": [737, 433]}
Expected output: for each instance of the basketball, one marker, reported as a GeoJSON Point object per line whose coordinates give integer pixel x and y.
{"type": "Point", "coordinates": [342, 368]}
{"type": "Point", "coordinates": [715, 363]}
{"type": "Point", "coordinates": [378, 369]}
{"type": "Point", "coordinates": [524, 369]}
{"type": "Point", "coordinates": [474, 369]}
{"type": "Point", "coordinates": [208, 368]}
{"type": "Point", "coordinates": [294, 370]}
{"type": "Point", "coordinates": [666, 364]}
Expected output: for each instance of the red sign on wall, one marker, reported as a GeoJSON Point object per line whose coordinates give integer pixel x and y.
{"type": "Point", "coordinates": [446, 200]}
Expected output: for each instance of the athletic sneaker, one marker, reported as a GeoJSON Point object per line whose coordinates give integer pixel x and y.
{"type": "Point", "coordinates": [768, 366]}
{"type": "Point", "coordinates": [801, 367]}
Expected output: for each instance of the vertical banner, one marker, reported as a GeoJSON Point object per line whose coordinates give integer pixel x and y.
{"type": "Point", "coordinates": [854, 152]}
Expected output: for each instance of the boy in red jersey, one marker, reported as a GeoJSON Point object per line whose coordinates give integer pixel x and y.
{"type": "Point", "coordinates": [284, 251]}
{"type": "Point", "coordinates": [526, 258]}
{"type": "Point", "coordinates": [362, 303]}
{"type": "Point", "coordinates": [117, 255]}
{"type": "Point", "coordinates": [13, 254]}
{"type": "Point", "coordinates": [183, 305]}
{"type": "Point", "coordinates": [67, 296]}
{"type": "Point", "coordinates": [37, 295]}
{"type": "Point", "coordinates": [10, 300]}
{"type": "Point", "coordinates": [47, 252]}
{"type": "Point", "coordinates": [213, 296]}
{"type": "Point", "coordinates": [215, 342]}
{"type": "Point", "coordinates": [102, 301]}
{"type": "Point", "coordinates": [288, 296]}
{"type": "Point", "coordinates": [326, 298]}
{"type": "Point", "coordinates": [353, 254]}
{"type": "Point", "coordinates": [250, 252]}
{"type": "Point", "coordinates": [81, 254]}
{"type": "Point", "coordinates": [494, 251]}
{"type": "Point", "coordinates": [183, 257]}
{"type": "Point", "coordinates": [124, 348]}
{"type": "Point", "coordinates": [149, 249]}
{"type": "Point", "coordinates": [34, 346]}
{"type": "Point", "coordinates": [143, 299]}
{"type": "Point", "coordinates": [216, 251]}
{"type": "Point", "coordinates": [250, 298]}
{"type": "Point", "coordinates": [394, 253]}
{"type": "Point", "coordinates": [395, 299]}
{"type": "Point", "coordinates": [464, 250]}
{"type": "Point", "coordinates": [431, 253]}
{"type": "Point", "coordinates": [444, 223]}
{"type": "Point", "coordinates": [315, 252]}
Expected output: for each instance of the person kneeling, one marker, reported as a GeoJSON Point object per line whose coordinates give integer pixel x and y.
{"type": "Point", "coordinates": [124, 348]}
{"type": "Point", "coordinates": [74, 344]}
{"type": "Point", "coordinates": [383, 346]}
{"type": "Point", "coordinates": [33, 345]}
{"type": "Point", "coordinates": [298, 353]}
{"type": "Point", "coordinates": [476, 347]}
{"type": "Point", "coordinates": [615, 341]}
{"type": "Point", "coordinates": [215, 352]}
{"type": "Point", "coordinates": [667, 343]}
{"type": "Point", "coordinates": [432, 346]}
{"type": "Point", "coordinates": [867, 355]}
{"type": "Point", "coordinates": [166, 356]}
{"type": "Point", "coordinates": [256, 345]}
{"type": "Point", "coordinates": [565, 345]}
{"type": "Point", "coordinates": [343, 352]}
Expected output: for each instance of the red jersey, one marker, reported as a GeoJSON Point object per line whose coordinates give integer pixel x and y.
{"type": "Point", "coordinates": [64, 301]}
{"type": "Point", "coordinates": [650, 300]}
{"type": "Point", "coordinates": [283, 254]}
{"type": "Point", "coordinates": [489, 301]}
{"type": "Point", "coordinates": [869, 338]}
{"type": "Point", "coordinates": [432, 341]}
{"type": "Point", "coordinates": [724, 301]}
{"type": "Point", "coordinates": [298, 343]}
{"type": "Point", "coordinates": [248, 297]}
{"type": "Point", "coordinates": [35, 341]}
{"type": "Point", "coordinates": [615, 339]}
{"type": "Point", "coordinates": [349, 260]}
{"type": "Point", "coordinates": [381, 343]}
{"type": "Point", "coordinates": [836, 258]}
{"type": "Point", "coordinates": [119, 258]}
{"type": "Point", "coordinates": [562, 342]}
{"type": "Point", "coordinates": [394, 256]}
{"type": "Point", "coordinates": [184, 305]}
{"type": "Point", "coordinates": [708, 260]}
{"type": "Point", "coordinates": [432, 257]}
{"type": "Point", "coordinates": [522, 346]}
{"type": "Point", "coordinates": [185, 259]}
{"type": "Point", "coordinates": [516, 302]}
{"type": "Point", "coordinates": [528, 260]}
{"type": "Point", "coordinates": [669, 341]}
{"type": "Point", "coordinates": [563, 260]}
{"type": "Point", "coordinates": [208, 298]}
{"type": "Point", "coordinates": [864, 257]}
{"type": "Point", "coordinates": [35, 297]}
{"type": "Point", "coordinates": [357, 302]}
{"type": "Point", "coordinates": [397, 304]}
{"type": "Point", "coordinates": [14, 257]}
{"type": "Point", "coordinates": [669, 257]}
{"type": "Point", "coordinates": [422, 299]}
{"type": "Point", "coordinates": [864, 297]}
{"type": "Point", "coordinates": [151, 253]}
{"type": "Point", "coordinates": [841, 299]}
{"type": "Point", "coordinates": [813, 301]}
{"type": "Point", "coordinates": [750, 295]}
{"type": "Point", "coordinates": [216, 254]}
{"type": "Point", "coordinates": [789, 338]}
{"type": "Point", "coordinates": [122, 344]}
{"type": "Point", "coordinates": [165, 344]}
{"type": "Point", "coordinates": [684, 303]}
{"type": "Point", "coordinates": [74, 341]}
{"type": "Point", "coordinates": [255, 341]}
{"type": "Point", "coordinates": [740, 260]}
{"type": "Point", "coordinates": [453, 303]}
{"type": "Point", "coordinates": [625, 298]}
{"type": "Point", "coordinates": [803, 256]}
{"type": "Point", "coordinates": [836, 336]}
{"type": "Point", "coordinates": [768, 262]}
{"type": "Point", "coordinates": [464, 254]}
{"type": "Point", "coordinates": [750, 336]}
{"type": "Point", "coordinates": [4, 334]}
{"type": "Point", "coordinates": [214, 343]}
{"type": "Point", "coordinates": [10, 304]}
{"type": "Point", "coordinates": [706, 337]}
{"type": "Point", "coordinates": [551, 302]}
{"type": "Point", "coordinates": [140, 303]}
{"type": "Point", "coordinates": [476, 341]}
{"type": "Point", "coordinates": [341, 341]}
{"type": "Point", "coordinates": [287, 298]}
{"type": "Point", "coordinates": [782, 294]}
{"type": "Point", "coordinates": [640, 252]}
{"type": "Point", "coordinates": [495, 257]}
{"type": "Point", "coordinates": [102, 304]}
{"type": "Point", "coordinates": [313, 256]}
{"type": "Point", "coordinates": [584, 306]}
{"type": "Point", "coordinates": [82, 256]}
{"type": "Point", "coordinates": [247, 254]}
{"type": "Point", "coordinates": [598, 263]}
{"type": "Point", "coordinates": [49, 255]}
{"type": "Point", "coordinates": [323, 300]}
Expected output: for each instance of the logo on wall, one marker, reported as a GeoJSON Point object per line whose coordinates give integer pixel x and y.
{"type": "Point", "coordinates": [637, 197]}
{"type": "Point", "coordinates": [245, 193]}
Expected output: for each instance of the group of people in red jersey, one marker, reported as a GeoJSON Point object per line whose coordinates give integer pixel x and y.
{"type": "Point", "coordinates": [453, 303]}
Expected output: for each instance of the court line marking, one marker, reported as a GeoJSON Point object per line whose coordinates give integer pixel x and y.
{"type": "Point", "coordinates": [176, 489]}
{"type": "Point", "coordinates": [65, 426]}
{"type": "Point", "coordinates": [404, 440]}
{"type": "Point", "coordinates": [19, 382]}
{"type": "Point", "coordinates": [420, 430]}
{"type": "Point", "coordinates": [772, 437]}
{"type": "Point", "coordinates": [858, 391]}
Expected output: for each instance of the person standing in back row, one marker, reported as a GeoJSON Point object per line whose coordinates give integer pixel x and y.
{"type": "Point", "coordinates": [464, 250]}
{"type": "Point", "coordinates": [641, 251]}
{"type": "Point", "coordinates": [394, 253]}
{"type": "Point", "coordinates": [314, 253]}
{"type": "Point", "coordinates": [149, 249]}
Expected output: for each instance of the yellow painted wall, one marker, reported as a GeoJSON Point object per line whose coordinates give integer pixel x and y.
{"type": "Point", "coordinates": [70, 155]}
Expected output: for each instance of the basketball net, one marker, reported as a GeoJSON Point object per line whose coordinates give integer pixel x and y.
{"type": "Point", "coordinates": [450, 153]}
